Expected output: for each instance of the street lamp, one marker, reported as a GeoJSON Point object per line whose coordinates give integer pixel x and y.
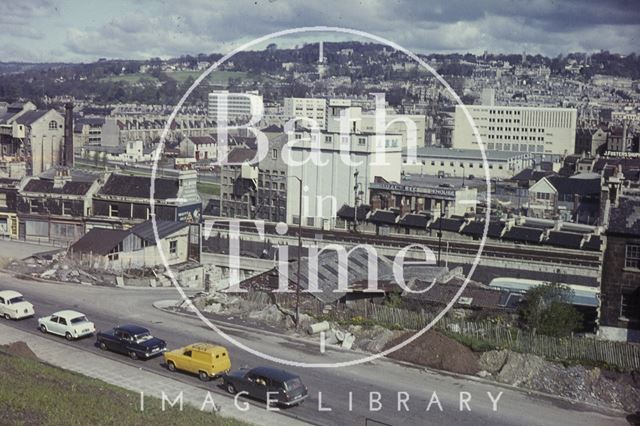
{"type": "Point", "coordinates": [355, 199]}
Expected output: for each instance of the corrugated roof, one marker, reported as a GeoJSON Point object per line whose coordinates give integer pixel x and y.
{"type": "Point", "coordinates": [139, 187]}
{"type": "Point", "coordinates": [165, 227]}
{"type": "Point", "coordinates": [99, 241]}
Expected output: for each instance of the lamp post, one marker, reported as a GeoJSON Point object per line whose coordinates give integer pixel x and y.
{"type": "Point", "coordinates": [299, 251]}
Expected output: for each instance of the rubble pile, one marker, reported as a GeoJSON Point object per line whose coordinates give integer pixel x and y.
{"type": "Point", "coordinates": [57, 267]}
{"type": "Point", "coordinates": [592, 385]}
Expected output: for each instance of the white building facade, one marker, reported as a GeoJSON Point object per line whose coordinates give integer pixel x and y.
{"type": "Point", "coordinates": [312, 108]}
{"type": "Point", "coordinates": [524, 129]}
{"type": "Point", "coordinates": [239, 106]}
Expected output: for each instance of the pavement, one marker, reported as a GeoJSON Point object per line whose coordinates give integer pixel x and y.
{"type": "Point", "coordinates": [138, 379]}
{"type": "Point", "coordinates": [346, 392]}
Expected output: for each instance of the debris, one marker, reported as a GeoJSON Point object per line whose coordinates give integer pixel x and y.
{"type": "Point", "coordinates": [318, 327]}
{"type": "Point", "coordinates": [348, 341]}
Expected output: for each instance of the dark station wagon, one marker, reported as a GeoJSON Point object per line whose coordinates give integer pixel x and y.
{"type": "Point", "coordinates": [132, 340]}
{"type": "Point", "coordinates": [284, 388]}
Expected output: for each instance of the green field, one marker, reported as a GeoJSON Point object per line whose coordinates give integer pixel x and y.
{"type": "Point", "coordinates": [130, 78]}
{"type": "Point", "coordinates": [216, 77]}
{"type": "Point", "coordinates": [33, 393]}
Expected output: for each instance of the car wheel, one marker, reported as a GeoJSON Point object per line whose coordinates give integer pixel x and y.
{"type": "Point", "coordinates": [203, 376]}
{"type": "Point", "coordinates": [43, 328]}
{"type": "Point", "coordinates": [133, 355]}
{"type": "Point", "coordinates": [68, 336]}
{"type": "Point", "coordinates": [103, 346]}
{"type": "Point", "coordinates": [171, 366]}
{"type": "Point", "coordinates": [231, 389]}
{"type": "Point", "coordinates": [7, 316]}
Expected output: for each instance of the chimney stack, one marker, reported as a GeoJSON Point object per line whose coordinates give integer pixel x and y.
{"type": "Point", "coordinates": [67, 151]}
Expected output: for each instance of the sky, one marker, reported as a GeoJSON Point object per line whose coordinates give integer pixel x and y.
{"type": "Point", "coordinates": [86, 30]}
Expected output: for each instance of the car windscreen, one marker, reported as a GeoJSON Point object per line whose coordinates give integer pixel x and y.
{"type": "Point", "coordinates": [293, 383]}
{"type": "Point", "coordinates": [16, 300]}
{"type": "Point", "coordinates": [142, 337]}
{"type": "Point", "coordinates": [78, 320]}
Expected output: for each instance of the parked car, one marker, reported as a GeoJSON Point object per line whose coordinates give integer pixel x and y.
{"type": "Point", "coordinates": [70, 324]}
{"type": "Point", "coordinates": [13, 305]}
{"type": "Point", "coordinates": [285, 388]}
{"type": "Point", "coordinates": [132, 340]}
{"type": "Point", "coordinates": [204, 359]}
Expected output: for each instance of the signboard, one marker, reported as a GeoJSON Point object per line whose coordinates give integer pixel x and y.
{"type": "Point", "coordinates": [191, 213]}
{"type": "Point", "coordinates": [438, 192]}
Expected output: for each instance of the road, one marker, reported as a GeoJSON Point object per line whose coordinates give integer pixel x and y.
{"type": "Point", "coordinates": [110, 306]}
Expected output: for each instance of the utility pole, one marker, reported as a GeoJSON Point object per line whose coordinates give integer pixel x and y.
{"type": "Point", "coordinates": [299, 253]}
{"type": "Point", "coordinates": [440, 233]}
{"type": "Point", "coordinates": [355, 202]}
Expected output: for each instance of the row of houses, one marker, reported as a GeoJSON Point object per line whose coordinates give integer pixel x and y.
{"type": "Point", "coordinates": [63, 204]}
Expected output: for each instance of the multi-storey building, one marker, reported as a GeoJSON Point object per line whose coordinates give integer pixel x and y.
{"type": "Point", "coordinates": [238, 105]}
{"type": "Point", "coordinates": [311, 108]}
{"type": "Point", "coordinates": [525, 129]}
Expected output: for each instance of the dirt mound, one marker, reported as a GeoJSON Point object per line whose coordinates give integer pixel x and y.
{"type": "Point", "coordinates": [436, 350]}
{"type": "Point", "coordinates": [20, 349]}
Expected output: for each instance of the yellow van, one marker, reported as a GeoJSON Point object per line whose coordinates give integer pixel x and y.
{"type": "Point", "coordinates": [204, 359]}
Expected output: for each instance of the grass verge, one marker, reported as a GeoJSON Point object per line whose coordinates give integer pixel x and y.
{"type": "Point", "coordinates": [34, 393]}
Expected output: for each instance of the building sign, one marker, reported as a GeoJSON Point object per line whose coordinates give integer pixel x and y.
{"type": "Point", "coordinates": [622, 154]}
{"type": "Point", "coordinates": [191, 213]}
{"type": "Point", "coordinates": [435, 192]}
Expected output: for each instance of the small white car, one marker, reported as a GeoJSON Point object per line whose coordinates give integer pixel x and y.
{"type": "Point", "coordinates": [70, 324]}
{"type": "Point", "coordinates": [13, 305]}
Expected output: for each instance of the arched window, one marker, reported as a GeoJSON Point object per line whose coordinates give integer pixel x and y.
{"type": "Point", "coordinates": [53, 124]}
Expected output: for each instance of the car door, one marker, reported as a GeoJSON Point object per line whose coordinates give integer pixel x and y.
{"type": "Point", "coordinates": [63, 325]}
{"type": "Point", "coordinates": [52, 325]}
{"type": "Point", "coordinates": [185, 362]}
{"type": "Point", "coordinates": [125, 342]}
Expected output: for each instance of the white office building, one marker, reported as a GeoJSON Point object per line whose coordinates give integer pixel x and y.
{"type": "Point", "coordinates": [524, 129]}
{"type": "Point", "coordinates": [239, 106]}
{"type": "Point", "coordinates": [311, 108]}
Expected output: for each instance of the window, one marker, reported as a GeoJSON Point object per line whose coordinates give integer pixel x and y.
{"type": "Point", "coordinates": [173, 247]}
{"type": "Point", "coordinates": [328, 139]}
{"type": "Point", "coordinates": [113, 210]}
{"type": "Point", "coordinates": [630, 305]}
{"type": "Point", "coordinates": [187, 353]}
{"type": "Point", "coordinates": [34, 206]}
{"type": "Point", "coordinates": [362, 141]}
{"type": "Point", "coordinates": [274, 154]}
{"type": "Point", "coordinates": [632, 256]}
{"type": "Point", "coordinates": [66, 208]}
{"type": "Point", "coordinates": [53, 124]}
{"type": "Point", "coordinates": [3, 199]}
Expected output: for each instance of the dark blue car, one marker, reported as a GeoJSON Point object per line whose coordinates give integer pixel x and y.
{"type": "Point", "coordinates": [132, 340]}
{"type": "Point", "coordinates": [284, 388]}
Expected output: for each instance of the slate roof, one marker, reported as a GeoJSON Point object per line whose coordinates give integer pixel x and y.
{"type": "Point", "coordinates": [202, 140]}
{"type": "Point", "coordinates": [347, 212]}
{"type": "Point", "coordinates": [99, 241]}
{"type": "Point", "coordinates": [564, 239]}
{"type": "Point", "coordinates": [594, 244]}
{"type": "Point", "coordinates": [527, 175]}
{"type": "Point", "coordinates": [476, 229]}
{"type": "Point", "coordinates": [625, 217]}
{"type": "Point", "coordinates": [241, 155]}
{"type": "Point", "coordinates": [523, 234]}
{"type": "Point", "coordinates": [448, 224]}
{"type": "Point", "coordinates": [383, 217]}
{"type": "Point", "coordinates": [47, 187]}
{"type": "Point", "coordinates": [30, 117]}
{"type": "Point", "coordinates": [139, 187]}
{"type": "Point", "coordinates": [165, 227]}
{"type": "Point", "coordinates": [441, 294]}
{"type": "Point", "coordinates": [414, 220]}
{"type": "Point", "coordinates": [569, 186]}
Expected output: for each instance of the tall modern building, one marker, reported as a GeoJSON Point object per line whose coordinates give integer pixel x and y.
{"type": "Point", "coordinates": [312, 108]}
{"type": "Point", "coordinates": [524, 129]}
{"type": "Point", "coordinates": [239, 106]}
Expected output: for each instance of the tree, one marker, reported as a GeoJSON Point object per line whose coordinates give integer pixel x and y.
{"type": "Point", "coordinates": [547, 309]}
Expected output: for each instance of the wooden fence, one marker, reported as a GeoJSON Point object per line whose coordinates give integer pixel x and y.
{"type": "Point", "coordinates": [625, 356]}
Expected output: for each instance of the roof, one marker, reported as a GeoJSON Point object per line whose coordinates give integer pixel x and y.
{"type": "Point", "coordinates": [434, 152]}
{"type": "Point", "coordinates": [523, 234]}
{"type": "Point", "coordinates": [594, 244]}
{"type": "Point", "coordinates": [133, 329]}
{"type": "Point", "coordinates": [581, 295]}
{"type": "Point", "coordinates": [476, 229]}
{"type": "Point", "coordinates": [383, 217]}
{"type": "Point", "coordinates": [99, 241]}
{"type": "Point", "coordinates": [68, 314]}
{"type": "Point", "coordinates": [139, 187]}
{"type": "Point", "coordinates": [47, 186]}
{"type": "Point", "coordinates": [571, 185]}
{"type": "Point", "coordinates": [202, 140]}
{"type": "Point", "coordinates": [625, 217]}
{"type": "Point", "coordinates": [9, 294]}
{"type": "Point", "coordinates": [241, 155]}
{"type": "Point", "coordinates": [448, 224]}
{"type": "Point", "coordinates": [564, 239]}
{"type": "Point", "coordinates": [347, 212]}
{"type": "Point", "coordinates": [274, 373]}
{"type": "Point", "coordinates": [527, 175]}
{"type": "Point", "coordinates": [165, 227]}
{"type": "Point", "coordinates": [30, 117]}
{"type": "Point", "coordinates": [414, 220]}
{"type": "Point", "coordinates": [477, 297]}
